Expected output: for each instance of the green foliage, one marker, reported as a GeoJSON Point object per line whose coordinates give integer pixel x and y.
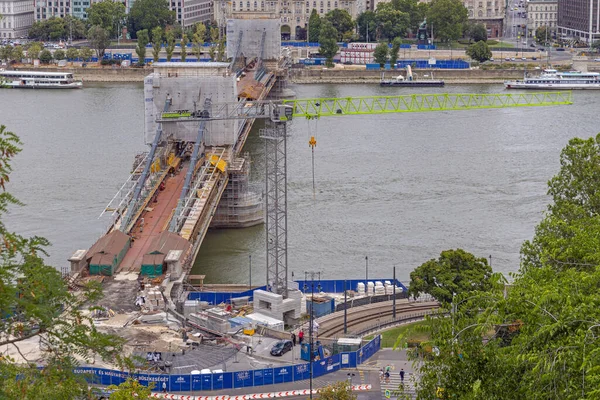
{"type": "Point", "coordinates": [33, 51]}
{"type": "Point", "coordinates": [157, 38]}
{"type": "Point", "coordinates": [45, 56]}
{"type": "Point", "coordinates": [448, 17]}
{"type": "Point", "coordinates": [142, 40]}
{"type": "Point", "coordinates": [327, 42]}
{"type": "Point", "coordinates": [86, 53]}
{"type": "Point", "coordinates": [108, 14]}
{"type": "Point", "coordinates": [6, 53]}
{"type": "Point", "coordinates": [214, 37]}
{"type": "Point", "coordinates": [198, 39]}
{"type": "Point", "coordinates": [184, 42]}
{"type": "Point", "coordinates": [170, 47]}
{"type": "Point", "coordinates": [454, 272]}
{"type": "Point", "coordinates": [479, 51]}
{"type": "Point", "coordinates": [221, 49]}
{"type": "Point", "coordinates": [131, 390]}
{"type": "Point", "coordinates": [542, 34]}
{"type": "Point", "coordinates": [367, 20]}
{"type": "Point", "coordinates": [17, 54]}
{"type": "Point", "coordinates": [341, 21]}
{"type": "Point", "coordinates": [314, 26]}
{"type": "Point", "coordinates": [337, 391]}
{"type": "Point", "coordinates": [476, 31]}
{"type": "Point", "coordinates": [37, 305]}
{"type": "Point", "coordinates": [55, 28]}
{"type": "Point", "coordinates": [150, 14]}
{"type": "Point", "coordinates": [98, 39]}
{"type": "Point", "coordinates": [394, 52]}
{"type": "Point", "coordinates": [59, 55]}
{"type": "Point", "coordinates": [380, 54]}
{"type": "Point", "coordinates": [72, 53]}
{"type": "Point", "coordinates": [415, 9]}
{"type": "Point", "coordinates": [391, 23]}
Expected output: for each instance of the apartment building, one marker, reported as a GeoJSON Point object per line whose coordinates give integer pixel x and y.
{"type": "Point", "coordinates": [542, 13]}
{"type": "Point", "coordinates": [190, 12]}
{"type": "Point", "coordinates": [16, 17]}
{"type": "Point", "coordinates": [579, 20]}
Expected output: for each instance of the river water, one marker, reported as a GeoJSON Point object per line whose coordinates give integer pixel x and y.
{"type": "Point", "coordinates": [396, 188]}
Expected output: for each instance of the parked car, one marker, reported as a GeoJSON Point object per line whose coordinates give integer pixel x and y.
{"type": "Point", "coordinates": [281, 347]}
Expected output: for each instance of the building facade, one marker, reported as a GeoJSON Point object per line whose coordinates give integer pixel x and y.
{"type": "Point", "coordinates": [542, 13]}
{"type": "Point", "coordinates": [490, 13]}
{"type": "Point", "coordinates": [579, 20]}
{"type": "Point", "coordinates": [294, 15]}
{"type": "Point", "coordinates": [16, 18]}
{"type": "Point", "coordinates": [190, 12]}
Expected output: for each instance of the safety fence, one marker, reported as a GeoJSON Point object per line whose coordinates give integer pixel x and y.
{"type": "Point", "coordinates": [237, 379]}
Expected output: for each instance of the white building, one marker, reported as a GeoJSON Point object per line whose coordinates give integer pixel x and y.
{"type": "Point", "coordinates": [542, 13]}
{"type": "Point", "coordinates": [45, 9]}
{"type": "Point", "coordinates": [190, 12]}
{"type": "Point", "coordinates": [294, 15]}
{"type": "Point", "coordinates": [16, 18]}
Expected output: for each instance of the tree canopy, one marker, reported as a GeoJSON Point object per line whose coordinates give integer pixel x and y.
{"type": "Point", "coordinates": [55, 28]}
{"type": "Point", "coordinates": [108, 14]}
{"type": "Point", "coordinates": [448, 18]}
{"type": "Point", "coordinates": [341, 21]}
{"type": "Point", "coordinates": [327, 41]}
{"type": "Point", "coordinates": [454, 272]}
{"type": "Point", "coordinates": [391, 23]}
{"type": "Point", "coordinates": [380, 54]}
{"type": "Point", "coordinates": [149, 14]}
{"type": "Point", "coordinates": [314, 26]}
{"type": "Point", "coordinates": [479, 51]}
{"type": "Point", "coordinates": [37, 305]}
{"type": "Point", "coordinates": [99, 40]}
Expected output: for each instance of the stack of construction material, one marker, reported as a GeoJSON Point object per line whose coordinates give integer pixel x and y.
{"type": "Point", "coordinates": [360, 289]}
{"type": "Point", "coordinates": [370, 288]}
{"type": "Point", "coordinates": [379, 289]}
{"type": "Point", "coordinates": [153, 298]}
{"type": "Point", "coordinates": [214, 319]}
{"type": "Point", "coordinates": [389, 288]}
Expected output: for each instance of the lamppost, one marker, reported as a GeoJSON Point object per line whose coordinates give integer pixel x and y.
{"type": "Point", "coordinates": [311, 351]}
{"type": "Point", "coordinates": [366, 271]}
{"type": "Point", "coordinates": [250, 271]}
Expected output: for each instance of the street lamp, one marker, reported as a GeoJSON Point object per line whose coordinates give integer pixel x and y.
{"type": "Point", "coordinates": [366, 271]}
{"type": "Point", "coordinates": [311, 318]}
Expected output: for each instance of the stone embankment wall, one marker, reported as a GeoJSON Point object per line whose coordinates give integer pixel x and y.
{"type": "Point", "coordinates": [313, 75]}
{"type": "Point", "coordinates": [111, 74]}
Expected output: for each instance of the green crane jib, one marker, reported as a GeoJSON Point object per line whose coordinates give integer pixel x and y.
{"type": "Point", "coordinates": [284, 110]}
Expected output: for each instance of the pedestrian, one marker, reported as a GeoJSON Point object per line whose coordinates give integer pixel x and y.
{"type": "Point", "coordinates": [387, 377]}
{"type": "Point", "coordinates": [402, 375]}
{"type": "Point", "coordinates": [380, 375]}
{"type": "Point", "coordinates": [300, 337]}
{"type": "Point", "coordinates": [293, 338]}
{"type": "Point", "coordinates": [164, 387]}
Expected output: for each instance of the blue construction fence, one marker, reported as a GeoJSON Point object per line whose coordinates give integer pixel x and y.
{"type": "Point", "coordinates": [238, 379]}
{"type": "Point", "coordinates": [337, 285]}
{"type": "Point", "coordinates": [424, 64]}
{"type": "Point", "coordinates": [222, 297]}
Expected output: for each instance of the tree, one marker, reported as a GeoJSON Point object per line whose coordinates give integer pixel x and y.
{"type": "Point", "coordinates": [150, 14]}
{"type": "Point", "coordinates": [214, 36]}
{"type": "Point", "coordinates": [72, 53]}
{"type": "Point", "coordinates": [140, 49]}
{"type": "Point", "coordinates": [327, 42]}
{"type": "Point", "coordinates": [45, 56]}
{"type": "Point", "coordinates": [198, 39]}
{"type": "Point", "coordinates": [37, 305]}
{"type": "Point", "coordinates": [314, 27]}
{"type": "Point", "coordinates": [33, 51]}
{"type": "Point", "coordinates": [367, 20]}
{"type": "Point", "coordinates": [184, 42]}
{"type": "Point", "coordinates": [17, 54]}
{"type": "Point", "coordinates": [221, 49]}
{"type": "Point", "coordinates": [476, 31]}
{"type": "Point", "coordinates": [108, 14]}
{"type": "Point", "coordinates": [337, 391]}
{"type": "Point", "coordinates": [157, 37]}
{"type": "Point", "coordinates": [341, 21]}
{"type": "Point", "coordinates": [542, 34]}
{"type": "Point", "coordinates": [86, 53]}
{"type": "Point", "coordinates": [59, 55]}
{"type": "Point", "coordinates": [454, 272]}
{"type": "Point", "coordinates": [415, 10]}
{"type": "Point", "coordinates": [391, 23]}
{"type": "Point", "coordinates": [479, 51]}
{"type": "Point", "coordinates": [170, 47]}
{"type": "Point", "coordinates": [99, 40]}
{"type": "Point", "coordinates": [55, 28]}
{"type": "Point", "coordinates": [448, 17]}
{"type": "Point", "coordinates": [380, 54]}
{"type": "Point", "coordinates": [6, 53]}
{"type": "Point", "coordinates": [131, 389]}
{"type": "Point", "coordinates": [394, 52]}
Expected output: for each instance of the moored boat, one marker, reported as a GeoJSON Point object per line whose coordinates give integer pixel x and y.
{"type": "Point", "coordinates": [552, 79]}
{"type": "Point", "coordinates": [38, 80]}
{"type": "Point", "coordinates": [410, 81]}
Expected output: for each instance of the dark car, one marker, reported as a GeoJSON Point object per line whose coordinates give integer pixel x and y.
{"type": "Point", "coordinates": [281, 347]}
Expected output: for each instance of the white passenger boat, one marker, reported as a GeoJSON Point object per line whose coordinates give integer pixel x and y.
{"type": "Point", "coordinates": [38, 80]}
{"type": "Point", "coordinates": [552, 79]}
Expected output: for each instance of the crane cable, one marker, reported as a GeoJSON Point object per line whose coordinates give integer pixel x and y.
{"type": "Point", "coordinates": [313, 143]}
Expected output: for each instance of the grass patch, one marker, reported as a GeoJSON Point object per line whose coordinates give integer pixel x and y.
{"type": "Point", "coordinates": [388, 337]}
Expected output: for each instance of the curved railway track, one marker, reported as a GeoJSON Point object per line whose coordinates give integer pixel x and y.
{"type": "Point", "coordinates": [364, 318]}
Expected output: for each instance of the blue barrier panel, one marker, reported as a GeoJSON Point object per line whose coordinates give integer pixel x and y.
{"type": "Point", "coordinates": [319, 368]}
{"type": "Point", "coordinates": [218, 381]}
{"type": "Point", "coordinates": [268, 376]}
{"type": "Point", "coordinates": [337, 285]}
{"type": "Point", "coordinates": [180, 383]}
{"type": "Point", "coordinates": [207, 382]}
{"type": "Point", "coordinates": [242, 379]}
{"type": "Point", "coordinates": [283, 374]}
{"type": "Point", "coordinates": [405, 46]}
{"type": "Point", "coordinates": [197, 382]}
{"type": "Point", "coordinates": [301, 371]}
{"type": "Point", "coordinates": [146, 379]}
{"type": "Point", "coordinates": [259, 377]}
{"type": "Point", "coordinates": [348, 360]}
{"type": "Point", "coordinates": [365, 352]}
{"type": "Point", "coordinates": [221, 297]}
